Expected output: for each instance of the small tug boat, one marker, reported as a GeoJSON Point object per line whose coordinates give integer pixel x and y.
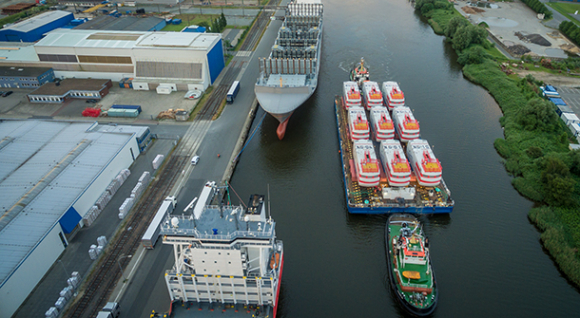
{"type": "Point", "coordinates": [351, 94]}
{"type": "Point", "coordinates": [366, 164]}
{"type": "Point", "coordinates": [360, 73]}
{"type": "Point", "coordinates": [382, 123]}
{"type": "Point", "coordinates": [395, 163]}
{"type": "Point", "coordinates": [406, 126]}
{"type": "Point", "coordinates": [410, 272]}
{"type": "Point", "coordinates": [393, 95]}
{"type": "Point", "coordinates": [358, 123]}
{"type": "Point", "coordinates": [426, 167]}
{"type": "Point", "coordinates": [372, 94]}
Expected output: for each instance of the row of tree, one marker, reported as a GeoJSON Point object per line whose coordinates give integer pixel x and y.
{"type": "Point", "coordinates": [539, 7]}
{"type": "Point", "coordinates": [570, 30]}
{"type": "Point", "coordinates": [219, 24]}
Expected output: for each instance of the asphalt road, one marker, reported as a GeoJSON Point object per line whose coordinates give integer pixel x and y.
{"type": "Point", "coordinates": [146, 290]}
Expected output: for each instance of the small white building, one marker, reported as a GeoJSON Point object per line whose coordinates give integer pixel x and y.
{"type": "Point", "coordinates": [51, 174]}
{"type": "Point", "coordinates": [179, 59]}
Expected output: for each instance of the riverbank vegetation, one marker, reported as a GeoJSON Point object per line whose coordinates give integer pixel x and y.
{"type": "Point", "coordinates": [535, 148]}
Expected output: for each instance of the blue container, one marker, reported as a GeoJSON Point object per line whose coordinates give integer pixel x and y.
{"type": "Point", "coordinates": [137, 107]}
{"type": "Point", "coordinates": [558, 101]}
{"type": "Point", "coordinates": [176, 21]}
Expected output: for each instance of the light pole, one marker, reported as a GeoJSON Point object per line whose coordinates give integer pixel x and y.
{"type": "Point", "coordinates": [119, 263]}
{"type": "Point", "coordinates": [64, 268]}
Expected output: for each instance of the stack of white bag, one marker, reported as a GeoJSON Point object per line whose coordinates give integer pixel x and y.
{"type": "Point", "coordinates": [157, 161]}
{"type": "Point", "coordinates": [66, 292]}
{"type": "Point", "coordinates": [145, 178]}
{"type": "Point", "coordinates": [125, 207]}
{"type": "Point", "coordinates": [95, 251]}
{"type": "Point", "coordinates": [91, 216]}
{"type": "Point", "coordinates": [60, 303]}
{"type": "Point", "coordinates": [52, 312]}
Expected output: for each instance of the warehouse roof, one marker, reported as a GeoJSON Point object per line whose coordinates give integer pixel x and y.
{"type": "Point", "coordinates": [30, 153]}
{"type": "Point", "coordinates": [22, 71]}
{"type": "Point", "coordinates": [69, 84]}
{"type": "Point", "coordinates": [107, 22]}
{"type": "Point", "coordinates": [38, 21]}
{"type": "Point", "coordinates": [17, 51]}
{"type": "Point", "coordinates": [126, 39]}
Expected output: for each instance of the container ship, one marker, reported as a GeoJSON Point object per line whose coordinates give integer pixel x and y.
{"type": "Point", "coordinates": [398, 188]}
{"type": "Point", "coordinates": [228, 261]}
{"type": "Point", "coordinates": [289, 76]}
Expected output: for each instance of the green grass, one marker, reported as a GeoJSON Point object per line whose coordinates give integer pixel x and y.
{"type": "Point", "coordinates": [566, 9]}
{"type": "Point", "coordinates": [189, 19]}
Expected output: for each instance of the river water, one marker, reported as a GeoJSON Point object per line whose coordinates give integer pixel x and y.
{"type": "Point", "coordinates": [487, 255]}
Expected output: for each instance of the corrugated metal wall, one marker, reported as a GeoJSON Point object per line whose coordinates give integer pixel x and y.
{"type": "Point", "coordinates": [168, 70]}
{"type": "Point", "coordinates": [216, 61]}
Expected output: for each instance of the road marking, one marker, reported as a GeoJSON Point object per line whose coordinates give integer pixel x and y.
{"type": "Point", "coordinates": [129, 276]}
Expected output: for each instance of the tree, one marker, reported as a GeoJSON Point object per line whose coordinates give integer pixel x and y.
{"type": "Point", "coordinates": [467, 35]}
{"type": "Point", "coordinates": [426, 8]}
{"type": "Point", "coordinates": [558, 185]}
{"type": "Point", "coordinates": [538, 114]}
{"type": "Point", "coordinates": [474, 55]}
{"type": "Point", "coordinates": [223, 21]}
{"type": "Point", "coordinates": [453, 25]}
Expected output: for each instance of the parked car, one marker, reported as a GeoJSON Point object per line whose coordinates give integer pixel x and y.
{"type": "Point", "coordinates": [4, 94]}
{"type": "Point", "coordinates": [92, 101]}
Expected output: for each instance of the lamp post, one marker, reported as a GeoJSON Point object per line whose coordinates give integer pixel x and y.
{"type": "Point", "coordinates": [119, 263]}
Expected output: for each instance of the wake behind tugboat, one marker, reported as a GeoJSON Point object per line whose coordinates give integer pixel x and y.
{"type": "Point", "coordinates": [410, 272]}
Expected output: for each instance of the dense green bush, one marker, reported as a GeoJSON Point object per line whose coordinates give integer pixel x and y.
{"type": "Point", "coordinates": [538, 114]}
{"type": "Point", "coordinates": [474, 55]}
{"type": "Point", "coordinates": [571, 31]}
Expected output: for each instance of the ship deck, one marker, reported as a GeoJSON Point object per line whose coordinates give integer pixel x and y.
{"type": "Point", "coordinates": [180, 309]}
{"type": "Point", "coordinates": [362, 200]}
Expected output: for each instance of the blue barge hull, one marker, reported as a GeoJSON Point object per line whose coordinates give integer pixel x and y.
{"type": "Point", "coordinates": [441, 204]}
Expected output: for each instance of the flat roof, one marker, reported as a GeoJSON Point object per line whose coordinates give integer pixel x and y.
{"type": "Point", "coordinates": [22, 71]}
{"type": "Point", "coordinates": [15, 51]}
{"type": "Point", "coordinates": [29, 151]}
{"type": "Point", "coordinates": [38, 21]}
{"type": "Point", "coordinates": [127, 39]}
{"type": "Point", "coordinates": [107, 22]}
{"type": "Point", "coordinates": [69, 84]}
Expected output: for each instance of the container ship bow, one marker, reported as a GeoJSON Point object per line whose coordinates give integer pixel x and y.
{"type": "Point", "coordinates": [289, 76]}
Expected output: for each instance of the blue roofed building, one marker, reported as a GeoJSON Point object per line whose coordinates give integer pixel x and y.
{"type": "Point", "coordinates": [33, 29]}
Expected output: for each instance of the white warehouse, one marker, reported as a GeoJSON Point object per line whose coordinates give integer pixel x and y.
{"type": "Point", "coordinates": [180, 60]}
{"type": "Point", "coordinates": [51, 173]}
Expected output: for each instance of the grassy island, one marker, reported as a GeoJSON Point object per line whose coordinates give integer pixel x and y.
{"type": "Point", "coordinates": [536, 142]}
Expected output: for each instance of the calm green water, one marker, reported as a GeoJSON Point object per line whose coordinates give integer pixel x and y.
{"type": "Point", "coordinates": [487, 255]}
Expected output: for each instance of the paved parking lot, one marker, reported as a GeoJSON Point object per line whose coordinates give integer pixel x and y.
{"type": "Point", "coordinates": [571, 96]}
{"type": "Point", "coordinates": [18, 106]}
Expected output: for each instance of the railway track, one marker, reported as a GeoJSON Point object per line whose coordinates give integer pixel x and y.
{"type": "Point", "coordinates": [101, 282]}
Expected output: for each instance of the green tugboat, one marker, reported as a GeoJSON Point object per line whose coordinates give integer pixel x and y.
{"type": "Point", "coordinates": [410, 272]}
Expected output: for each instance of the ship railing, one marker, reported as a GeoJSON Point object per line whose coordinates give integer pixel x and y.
{"type": "Point", "coordinates": [265, 233]}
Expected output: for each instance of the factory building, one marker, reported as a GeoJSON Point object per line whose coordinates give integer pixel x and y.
{"type": "Point", "coordinates": [182, 61]}
{"type": "Point", "coordinates": [59, 91]}
{"type": "Point", "coordinates": [32, 30]}
{"type": "Point", "coordinates": [125, 23]}
{"type": "Point", "coordinates": [51, 174]}
{"type": "Point", "coordinates": [24, 77]}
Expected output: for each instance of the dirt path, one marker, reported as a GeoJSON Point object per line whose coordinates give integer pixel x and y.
{"type": "Point", "coordinates": [556, 80]}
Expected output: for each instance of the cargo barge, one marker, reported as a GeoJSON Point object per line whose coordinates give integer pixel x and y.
{"type": "Point", "coordinates": [384, 199]}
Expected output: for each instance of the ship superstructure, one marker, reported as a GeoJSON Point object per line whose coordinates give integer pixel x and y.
{"type": "Point", "coordinates": [382, 123]}
{"type": "Point", "coordinates": [226, 257]}
{"type": "Point", "coordinates": [426, 166]}
{"type": "Point", "coordinates": [358, 124]}
{"type": "Point", "coordinates": [406, 126]}
{"type": "Point", "coordinates": [351, 94]}
{"type": "Point", "coordinates": [372, 94]}
{"type": "Point", "coordinates": [393, 95]}
{"type": "Point", "coordinates": [289, 76]}
{"type": "Point", "coordinates": [395, 163]}
{"type": "Point", "coordinates": [366, 164]}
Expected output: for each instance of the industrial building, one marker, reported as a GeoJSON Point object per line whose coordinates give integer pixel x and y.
{"type": "Point", "coordinates": [51, 174]}
{"type": "Point", "coordinates": [179, 60]}
{"type": "Point", "coordinates": [32, 30]}
{"type": "Point", "coordinates": [125, 23]}
{"type": "Point", "coordinates": [25, 77]}
{"type": "Point", "coordinates": [58, 92]}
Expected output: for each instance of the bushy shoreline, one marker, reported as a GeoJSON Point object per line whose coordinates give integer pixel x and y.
{"type": "Point", "coordinates": [535, 144]}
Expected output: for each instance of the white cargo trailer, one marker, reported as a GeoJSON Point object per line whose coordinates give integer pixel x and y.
{"type": "Point", "coordinates": [152, 234]}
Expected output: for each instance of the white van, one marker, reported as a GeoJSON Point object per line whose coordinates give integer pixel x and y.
{"type": "Point", "coordinates": [194, 160]}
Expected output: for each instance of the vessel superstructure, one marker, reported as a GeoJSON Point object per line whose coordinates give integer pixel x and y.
{"type": "Point", "coordinates": [227, 258]}
{"type": "Point", "coordinates": [411, 274]}
{"type": "Point", "coordinates": [426, 166]}
{"type": "Point", "coordinates": [366, 165]}
{"type": "Point", "coordinates": [395, 164]}
{"type": "Point", "coordinates": [386, 197]}
{"type": "Point", "coordinates": [360, 73]}
{"type": "Point", "coordinates": [393, 95]}
{"type": "Point", "coordinates": [372, 94]}
{"type": "Point", "coordinates": [382, 124]}
{"type": "Point", "coordinates": [351, 94]}
{"type": "Point", "coordinates": [406, 126]}
{"type": "Point", "coordinates": [289, 75]}
{"type": "Point", "coordinates": [358, 124]}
